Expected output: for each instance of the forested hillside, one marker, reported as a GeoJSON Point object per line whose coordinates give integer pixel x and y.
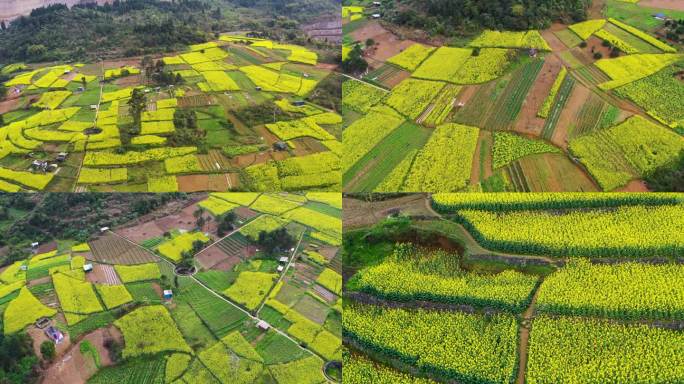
{"type": "Point", "coordinates": [137, 27]}
{"type": "Point", "coordinates": [454, 16]}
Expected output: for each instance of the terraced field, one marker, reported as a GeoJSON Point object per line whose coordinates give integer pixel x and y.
{"type": "Point", "coordinates": [517, 313]}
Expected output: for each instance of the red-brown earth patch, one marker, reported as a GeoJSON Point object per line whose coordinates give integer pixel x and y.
{"type": "Point", "coordinates": [528, 122]}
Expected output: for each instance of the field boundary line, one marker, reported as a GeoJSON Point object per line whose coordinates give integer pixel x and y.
{"type": "Point", "coordinates": [367, 83]}
{"type": "Point", "coordinates": [282, 275]}
{"type": "Point", "coordinates": [97, 112]}
{"type": "Point", "coordinates": [225, 299]}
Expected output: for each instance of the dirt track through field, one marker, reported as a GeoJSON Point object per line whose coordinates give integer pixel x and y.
{"type": "Point", "coordinates": [524, 337]}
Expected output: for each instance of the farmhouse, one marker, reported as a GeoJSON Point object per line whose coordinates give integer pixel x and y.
{"type": "Point", "coordinates": [264, 326]}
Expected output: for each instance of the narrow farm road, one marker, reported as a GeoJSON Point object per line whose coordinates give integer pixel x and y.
{"type": "Point", "coordinates": [524, 335]}
{"type": "Point", "coordinates": [282, 275]}
{"type": "Point", "coordinates": [365, 82]}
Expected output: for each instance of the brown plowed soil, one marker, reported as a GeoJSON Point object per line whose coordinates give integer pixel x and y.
{"type": "Point", "coordinates": [568, 116]}
{"type": "Point", "coordinates": [528, 123]}
{"type": "Point", "coordinates": [141, 232]}
{"type": "Point", "coordinates": [103, 274]}
{"type": "Point", "coordinates": [9, 105]}
{"type": "Point", "coordinates": [73, 367]}
{"type": "Point", "coordinates": [228, 264]}
{"type": "Point", "coordinates": [554, 41]}
{"type": "Point", "coordinates": [677, 5]}
{"type": "Point", "coordinates": [211, 257]}
{"type": "Point", "coordinates": [387, 44]}
{"type": "Point", "coordinates": [358, 213]}
{"type": "Point", "coordinates": [635, 186]}
{"type": "Point", "coordinates": [199, 183]}
{"type": "Point", "coordinates": [466, 94]}
{"type": "Point", "coordinates": [586, 55]}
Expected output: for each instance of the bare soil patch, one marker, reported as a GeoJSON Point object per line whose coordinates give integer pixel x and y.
{"type": "Point", "coordinates": [245, 212]}
{"type": "Point", "coordinates": [596, 9]}
{"type": "Point", "coordinates": [47, 247]}
{"type": "Point", "coordinates": [74, 367]}
{"type": "Point", "coordinates": [553, 40]}
{"type": "Point", "coordinates": [141, 232]}
{"type": "Point", "coordinates": [676, 5]}
{"type": "Point", "coordinates": [580, 94]}
{"type": "Point", "coordinates": [38, 336]}
{"type": "Point", "coordinates": [395, 79]}
{"type": "Point", "coordinates": [103, 274]}
{"type": "Point", "coordinates": [467, 94]}
{"type": "Point", "coordinates": [586, 55]}
{"type": "Point", "coordinates": [635, 186]}
{"type": "Point", "coordinates": [528, 123]}
{"type": "Point", "coordinates": [211, 257]}
{"type": "Point", "coordinates": [199, 183]}
{"type": "Point", "coordinates": [328, 252]}
{"type": "Point", "coordinates": [227, 264]}
{"type": "Point", "coordinates": [244, 161]}
{"type": "Point", "coordinates": [359, 213]}
{"type": "Point", "coordinates": [9, 105]}
{"type": "Point", "coordinates": [387, 44]}
{"type": "Point", "coordinates": [128, 81]}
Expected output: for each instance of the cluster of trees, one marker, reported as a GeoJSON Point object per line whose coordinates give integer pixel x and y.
{"type": "Point", "coordinates": [275, 241]}
{"type": "Point", "coordinates": [188, 132]}
{"type": "Point", "coordinates": [669, 178]}
{"type": "Point", "coordinates": [18, 362]}
{"type": "Point", "coordinates": [674, 30]}
{"type": "Point", "coordinates": [138, 27]}
{"type": "Point", "coordinates": [75, 216]}
{"type": "Point", "coordinates": [458, 17]}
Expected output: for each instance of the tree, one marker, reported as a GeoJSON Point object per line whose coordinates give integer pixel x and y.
{"type": "Point", "coordinates": [47, 349]}
{"type": "Point", "coordinates": [36, 51]}
{"type": "Point", "coordinates": [138, 104]}
{"type": "Point", "coordinates": [275, 241]}
{"type": "Point", "coordinates": [370, 43]}
{"type": "Point", "coordinates": [2, 121]}
{"type": "Point", "coordinates": [598, 55]}
{"type": "Point", "coordinates": [84, 82]}
{"type": "Point", "coordinates": [226, 223]}
{"type": "Point", "coordinates": [355, 62]}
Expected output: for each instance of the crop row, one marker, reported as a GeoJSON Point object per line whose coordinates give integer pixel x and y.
{"type": "Point", "coordinates": [633, 231]}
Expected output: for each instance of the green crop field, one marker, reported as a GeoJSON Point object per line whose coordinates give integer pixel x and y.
{"type": "Point", "coordinates": [94, 128]}
{"type": "Point", "coordinates": [550, 306]}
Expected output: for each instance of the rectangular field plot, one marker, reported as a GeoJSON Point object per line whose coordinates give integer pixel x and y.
{"type": "Point", "coordinates": [412, 335]}
{"type": "Point", "coordinates": [112, 249]}
{"type": "Point", "coordinates": [567, 350]}
{"type": "Point", "coordinates": [375, 165]}
{"type": "Point", "coordinates": [218, 315]}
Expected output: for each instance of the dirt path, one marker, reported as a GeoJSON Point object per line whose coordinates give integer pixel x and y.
{"type": "Point", "coordinates": [75, 368]}
{"type": "Point", "coordinates": [524, 337]}
{"type": "Point", "coordinates": [475, 172]}
{"type": "Point", "coordinates": [596, 9]}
